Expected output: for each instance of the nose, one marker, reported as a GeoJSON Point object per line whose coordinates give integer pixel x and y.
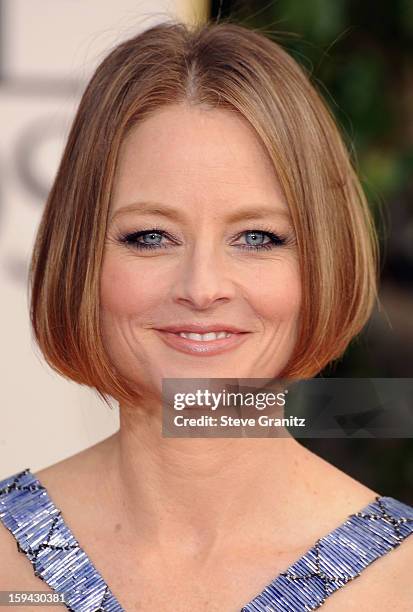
{"type": "Point", "coordinates": [203, 278]}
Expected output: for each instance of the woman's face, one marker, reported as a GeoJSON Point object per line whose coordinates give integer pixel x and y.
{"type": "Point", "coordinates": [214, 259]}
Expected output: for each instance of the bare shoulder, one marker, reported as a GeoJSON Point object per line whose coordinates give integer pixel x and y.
{"type": "Point", "coordinates": [61, 480]}
{"type": "Point", "coordinates": [386, 584]}
{"type": "Point", "coordinates": [73, 482]}
{"type": "Point", "coordinates": [77, 467]}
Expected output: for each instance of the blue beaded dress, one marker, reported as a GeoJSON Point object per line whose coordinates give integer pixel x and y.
{"type": "Point", "coordinates": [41, 533]}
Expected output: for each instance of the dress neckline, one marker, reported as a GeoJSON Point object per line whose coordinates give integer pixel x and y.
{"type": "Point", "coordinates": [41, 533]}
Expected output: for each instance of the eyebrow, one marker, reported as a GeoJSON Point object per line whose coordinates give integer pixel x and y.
{"type": "Point", "coordinates": [155, 208]}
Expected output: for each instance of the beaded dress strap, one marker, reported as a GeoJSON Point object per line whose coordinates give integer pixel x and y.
{"type": "Point", "coordinates": [337, 558]}
{"type": "Point", "coordinates": [42, 535]}
{"type": "Point", "coordinates": [29, 514]}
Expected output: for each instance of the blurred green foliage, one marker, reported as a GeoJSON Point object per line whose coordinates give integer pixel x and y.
{"type": "Point", "coordinates": [359, 56]}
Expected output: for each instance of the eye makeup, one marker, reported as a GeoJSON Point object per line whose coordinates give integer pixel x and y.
{"type": "Point", "coordinates": [136, 239]}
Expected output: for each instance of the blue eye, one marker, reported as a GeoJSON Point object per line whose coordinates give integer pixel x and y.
{"type": "Point", "coordinates": [257, 235]}
{"type": "Point", "coordinates": [151, 239]}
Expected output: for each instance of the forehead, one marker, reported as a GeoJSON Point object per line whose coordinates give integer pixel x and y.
{"type": "Point", "coordinates": [189, 154]}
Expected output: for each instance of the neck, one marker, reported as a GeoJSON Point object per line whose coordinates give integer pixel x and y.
{"type": "Point", "coordinates": [205, 494]}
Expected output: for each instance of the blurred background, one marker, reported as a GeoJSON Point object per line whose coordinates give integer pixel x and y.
{"type": "Point", "coordinates": [360, 58]}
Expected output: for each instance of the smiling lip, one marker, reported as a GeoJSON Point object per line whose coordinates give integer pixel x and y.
{"type": "Point", "coordinates": [200, 328]}
{"type": "Point", "coordinates": [202, 347]}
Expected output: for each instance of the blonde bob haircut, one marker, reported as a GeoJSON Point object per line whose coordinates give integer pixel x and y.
{"type": "Point", "coordinates": [217, 65]}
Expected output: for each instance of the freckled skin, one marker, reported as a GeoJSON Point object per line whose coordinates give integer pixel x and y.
{"type": "Point", "coordinates": [206, 163]}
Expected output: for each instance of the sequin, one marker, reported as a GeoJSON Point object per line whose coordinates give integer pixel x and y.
{"type": "Point", "coordinates": [41, 533]}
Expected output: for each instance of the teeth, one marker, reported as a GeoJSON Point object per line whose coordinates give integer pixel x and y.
{"type": "Point", "coordinates": [209, 336]}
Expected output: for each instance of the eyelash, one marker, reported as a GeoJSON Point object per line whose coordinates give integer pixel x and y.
{"type": "Point", "coordinates": [130, 240]}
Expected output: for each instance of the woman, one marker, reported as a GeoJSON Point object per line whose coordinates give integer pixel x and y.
{"type": "Point", "coordinates": [204, 186]}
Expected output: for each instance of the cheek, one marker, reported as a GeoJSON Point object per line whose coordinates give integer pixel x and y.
{"type": "Point", "coordinates": [278, 295]}
{"type": "Point", "coordinates": [123, 292]}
